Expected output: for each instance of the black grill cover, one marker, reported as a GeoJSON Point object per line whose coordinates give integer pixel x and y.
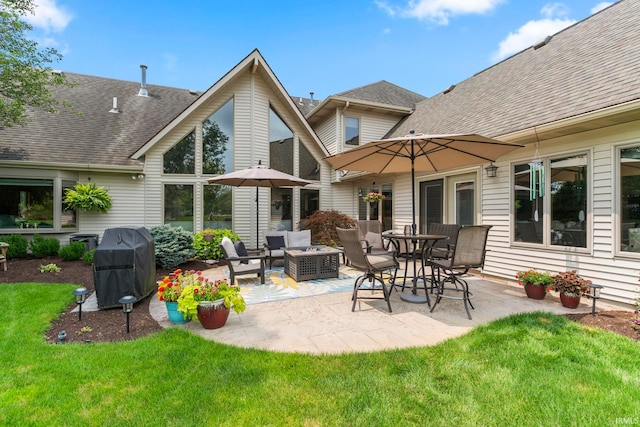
{"type": "Point", "coordinates": [124, 264]}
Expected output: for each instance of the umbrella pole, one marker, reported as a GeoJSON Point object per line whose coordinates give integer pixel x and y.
{"type": "Point", "coordinates": [413, 191]}
{"type": "Point", "coordinates": [257, 220]}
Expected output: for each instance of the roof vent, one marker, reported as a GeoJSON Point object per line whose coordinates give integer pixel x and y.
{"type": "Point", "coordinates": [193, 91]}
{"type": "Point", "coordinates": [143, 85]}
{"type": "Point", "coordinates": [57, 72]}
{"type": "Point", "coordinates": [114, 108]}
{"type": "Point", "coordinates": [449, 89]}
{"type": "Point", "coordinates": [542, 42]}
{"type": "Point", "coordinates": [311, 102]}
{"type": "Point", "coordinates": [300, 101]}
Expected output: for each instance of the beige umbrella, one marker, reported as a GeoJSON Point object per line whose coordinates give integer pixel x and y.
{"type": "Point", "coordinates": [258, 176]}
{"type": "Point", "coordinates": [420, 152]}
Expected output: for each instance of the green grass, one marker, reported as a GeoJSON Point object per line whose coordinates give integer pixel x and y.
{"type": "Point", "coordinates": [526, 370]}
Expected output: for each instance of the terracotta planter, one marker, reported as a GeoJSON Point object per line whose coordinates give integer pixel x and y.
{"type": "Point", "coordinates": [535, 291]}
{"type": "Point", "coordinates": [212, 314]}
{"type": "Point", "coordinates": [207, 237]}
{"type": "Point", "coordinates": [569, 301]}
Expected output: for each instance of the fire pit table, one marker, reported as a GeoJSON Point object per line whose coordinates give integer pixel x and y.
{"type": "Point", "coordinates": [312, 262]}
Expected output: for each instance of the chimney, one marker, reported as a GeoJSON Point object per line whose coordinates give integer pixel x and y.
{"type": "Point", "coordinates": [143, 85]}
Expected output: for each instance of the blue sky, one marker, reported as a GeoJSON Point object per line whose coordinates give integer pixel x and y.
{"type": "Point", "coordinates": [324, 47]}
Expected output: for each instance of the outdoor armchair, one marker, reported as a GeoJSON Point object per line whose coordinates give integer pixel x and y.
{"type": "Point", "coordinates": [243, 263]}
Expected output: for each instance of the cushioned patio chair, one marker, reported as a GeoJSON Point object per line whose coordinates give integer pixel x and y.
{"type": "Point", "coordinates": [275, 242]}
{"type": "Point", "coordinates": [468, 253]}
{"type": "Point", "coordinates": [370, 232]}
{"type": "Point", "coordinates": [371, 265]}
{"type": "Point", "coordinates": [240, 262]}
{"type": "Point", "coordinates": [442, 249]}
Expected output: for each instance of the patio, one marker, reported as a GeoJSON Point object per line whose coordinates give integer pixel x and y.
{"type": "Point", "coordinates": [325, 324]}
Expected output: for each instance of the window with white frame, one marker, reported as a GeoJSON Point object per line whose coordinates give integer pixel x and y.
{"type": "Point", "coordinates": [351, 131]}
{"type": "Point", "coordinates": [550, 201]}
{"type": "Point", "coordinates": [629, 199]}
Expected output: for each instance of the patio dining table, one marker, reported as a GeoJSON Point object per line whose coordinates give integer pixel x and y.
{"type": "Point", "coordinates": [419, 244]}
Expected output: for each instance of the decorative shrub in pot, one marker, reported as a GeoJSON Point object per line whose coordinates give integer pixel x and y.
{"type": "Point", "coordinates": [535, 283]}
{"type": "Point", "coordinates": [571, 287]}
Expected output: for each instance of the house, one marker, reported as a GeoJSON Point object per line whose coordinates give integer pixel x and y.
{"type": "Point", "coordinates": [569, 200]}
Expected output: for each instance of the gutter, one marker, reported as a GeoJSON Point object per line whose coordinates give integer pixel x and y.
{"type": "Point", "coordinates": [72, 166]}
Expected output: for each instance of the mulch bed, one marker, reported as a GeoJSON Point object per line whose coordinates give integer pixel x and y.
{"type": "Point", "coordinates": [110, 324]}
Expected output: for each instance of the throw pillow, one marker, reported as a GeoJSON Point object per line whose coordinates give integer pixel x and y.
{"type": "Point", "coordinates": [275, 242]}
{"type": "Point", "coordinates": [241, 251]}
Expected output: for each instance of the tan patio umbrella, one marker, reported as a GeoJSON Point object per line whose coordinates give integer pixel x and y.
{"type": "Point", "coordinates": [258, 176]}
{"type": "Point", "coordinates": [420, 152]}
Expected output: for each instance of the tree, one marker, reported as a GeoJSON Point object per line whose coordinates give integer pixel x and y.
{"type": "Point", "coordinates": [25, 77]}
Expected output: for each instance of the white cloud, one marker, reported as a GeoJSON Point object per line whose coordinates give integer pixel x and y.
{"type": "Point", "coordinates": [600, 6]}
{"type": "Point", "coordinates": [48, 16]}
{"type": "Point", "coordinates": [439, 11]}
{"type": "Point", "coordinates": [534, 31]}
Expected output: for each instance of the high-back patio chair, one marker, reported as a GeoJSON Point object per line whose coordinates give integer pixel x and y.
{"type": "Point", "coordinates": [442, 249]}
{"type": "Point", "coordinates": [468, 253]}
{"type": "Point", "coordinates": [372, 265]}
{"type": "Point", "coordinates": [370, 232]}
{"type": "Point", "coordinates": [241, 263]}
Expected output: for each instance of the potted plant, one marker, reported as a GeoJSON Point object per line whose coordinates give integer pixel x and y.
{"type": "Point", "coordinates": [571, 287]}
{"type": "Point", "coordinates": [209, 301]}
{"type": "Point", "coordinates": [535, 283]}
{"type": "Point", "coordinates": [207, 234]}
{"type": "Point", "coordinates": [169, 289]}
{"type": "Point", "coordinates": [374, 197]}
{"type": "Point", "coordinates": [88, 197]}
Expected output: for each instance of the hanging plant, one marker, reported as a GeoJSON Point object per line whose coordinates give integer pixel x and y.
{"type": "Point", "coordinates": [88, 197]}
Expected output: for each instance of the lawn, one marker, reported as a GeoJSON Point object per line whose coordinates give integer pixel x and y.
{"type": "Point", "coordinates": [531, 369]}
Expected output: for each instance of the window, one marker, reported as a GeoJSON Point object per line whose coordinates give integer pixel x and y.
{"type": "Point", "coordinates": [629, 218]}
{"type": "Point", "coordinates": [180, 159]}
{"type": "Point", "coordinates": [178, 205]}
{"type": "Point", "coordinates": [351, 131]}
{"type": "Point", "coordinates": [464, 202]}
{"type": "Point", "coordinates": [309, 202]}
{"type": "Point", "coordinates": [281, 209]}
{"type": "Point", "coordinates": [217, 141]}
{"type": "Point", "coordinates": [280, 144]}
{"type": "Point", "coordinates": [217, 207]}
{"type": "Point", "coordinates": [560, 182]}
{"type": "Point", "coordinates": [309, 168]}
{"type": "Point", "coordinates": [35, 203]}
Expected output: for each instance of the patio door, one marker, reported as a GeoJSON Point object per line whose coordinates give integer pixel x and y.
{"type": "Point", "coordinates": [431, 203]}
{"type": "Point", "coordinates": [461, 199]}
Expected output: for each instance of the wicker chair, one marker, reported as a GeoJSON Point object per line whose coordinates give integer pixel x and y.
{"type": "Point", "coordinates": [372, 265]}
{"type": "Point", "coordinates": [468, 253]}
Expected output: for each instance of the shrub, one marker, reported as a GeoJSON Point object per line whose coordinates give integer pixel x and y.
{"type": "Point", "coordinates": [49, 268]}
{"type": "Point", "coordinates": [211, 250]}
{"type": "Point", "coordinates": [174, 245]}
{"type": "Point", "coordinates": [42, 247]}
{"type": "Point", "coordinates": [323, 226]}
{"type": "Point", "coordinates": [72, 251]}
{"type": "Point", "coordinates": [18, 245]}
{"type": "Point", "coordinates": [88, 256]}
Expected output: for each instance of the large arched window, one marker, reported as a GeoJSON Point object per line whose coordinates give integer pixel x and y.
{"type": "Point", "coordinates": [217, 141]}
{"type": "Point", "coordinates": [280, 144]}
{"type": "Point", "coordinates": [180, 159]}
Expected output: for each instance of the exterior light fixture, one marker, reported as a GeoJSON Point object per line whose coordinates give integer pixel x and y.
{"type": "Point", "coordinates": [595, 294]}
{"type": "Point", "coordinates": [139, 176]}
{"type": "Point", "coordinates": [81, 297]}
{"type": "Point", "coordinates": [492, 170]}
{"type": "Point", "coordinates": [127, 306]}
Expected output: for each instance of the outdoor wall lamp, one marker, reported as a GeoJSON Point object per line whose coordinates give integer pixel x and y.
{"type": "Point", "coordinates": [137, 176]}
{"type": "Point", "coordinates": [81, 297]}
{"type": "Point", "coordinates": [492, 170]}
{"type": "Point", "coordinates": [595, 294]}
{"type": "Point", "coordinates": [127, 306]}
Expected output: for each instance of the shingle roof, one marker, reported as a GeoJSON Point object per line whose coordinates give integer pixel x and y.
{"type": "Point", "coordinates": [589, 66]}
{"type": "Point", "coordinates": [384, 92]}
{"type": "Point", "coordinates": [96, 136]}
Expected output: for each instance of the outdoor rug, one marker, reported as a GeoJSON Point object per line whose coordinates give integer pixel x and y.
{"type": "Point", "coordinates": [278, 286]}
